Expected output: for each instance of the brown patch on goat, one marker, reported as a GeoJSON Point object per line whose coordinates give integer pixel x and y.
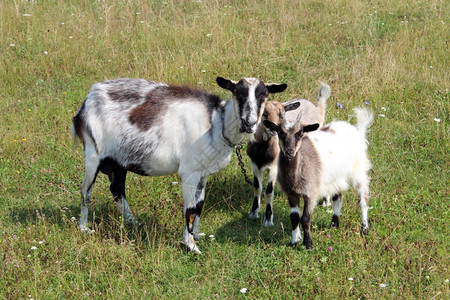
{"type": "Point", "coordinates": [327, 129]}
{"type": "Point", "coordinates": [156, 101]}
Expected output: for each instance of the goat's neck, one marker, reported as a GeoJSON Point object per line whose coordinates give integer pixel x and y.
{"type": "Point", "coordinates": [261, 135]}
{"type": "Point", "coordinates": [231, 124]}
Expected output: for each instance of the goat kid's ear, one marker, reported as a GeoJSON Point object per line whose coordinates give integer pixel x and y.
{"type": "Point", "coordinates": [291, 106]}
{"type": "Point", "coordinates": [270, 125]}
{"type": "Point", "coordinates": [275, 88]}
{"type": "Point", "coordinates": [226, 84]}
{"type": "Point", "coordinates": [311, 127]}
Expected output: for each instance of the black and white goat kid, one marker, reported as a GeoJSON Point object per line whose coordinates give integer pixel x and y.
{"type": "Point", "coordinates": [154, 129]}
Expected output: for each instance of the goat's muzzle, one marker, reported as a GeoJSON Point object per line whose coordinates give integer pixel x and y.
{"type": "Point", "coordinates": [246, 127]}
{"type": "Point", "coordinates": [289, 154]}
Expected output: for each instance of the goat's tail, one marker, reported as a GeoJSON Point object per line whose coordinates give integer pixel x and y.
{"type": "Point", "coordinates": [323, 94]}
{"type": "Point", "coordinates": [364, 119]}
{"type": "Point", "coordinates": [321, 102]}
{"type": "Point", "coordinates": [77, 128]}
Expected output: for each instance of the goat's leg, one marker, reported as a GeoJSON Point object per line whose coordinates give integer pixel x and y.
{"type": "Point", "coordinates": [337, 205]}
{"type": "Point", "coordinates": [257, 189]}
{"type": "Point", "coordinates": [91, 171]}
{"type": "Point", "coordinates": [326, 201]}
{"type": "Point", "coordinates": [193, 188]}
{"type": "Point", "coordinates": [118, 177]}
{"type": "Point", "coordinates": [200, 195]}
{"type": "Point", "coordinates": [295, 220]}
{"type": "Point", "coordinates": [271, 180]}
{"type": "Point", "coordinates": [363, 194]}
{"type": "Point", "coordinates": [361, 186]}
{"type": "Point", "coordinates": [306, 221]}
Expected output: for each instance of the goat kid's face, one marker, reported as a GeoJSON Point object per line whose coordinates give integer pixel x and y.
{"type": "Point", "coordinates": [275, 112]}
{"type": "Point", "coordinates": [290, 135]}
{"type": "Point", "coordinates": [250, 95]}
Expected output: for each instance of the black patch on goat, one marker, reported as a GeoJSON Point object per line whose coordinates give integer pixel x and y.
{"type": "Point", "coordinates": [268, 211]}
{"type": "Point", "coordinates": [269, 188]}
{"type": "Point", "coordinates": [191, 214]}
{"type": "Point", "coordinates": [109, 165]}
{"type": "Point", "coordinates": [260, 153]}
{"type": "Point", "coordinates": [79, 124]}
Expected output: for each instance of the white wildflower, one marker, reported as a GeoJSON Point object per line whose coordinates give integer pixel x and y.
{"type": "Point", "coordinates": [208, 35]}
{"type": "Point", "coordinates": [383, 285]}
{"type": "Point", "coordinates": [201, 234]}
{"type": "Point", "coordinates": [350, 278]}
{"type": "Point", "coordinates": [174, 183]}
{"type": "Point", "coordinates": [33, 248]}
{"type": "Point", "coordinates": [45, 52]}
{"type": "Point", "coordinates": [437, 120]}
{"type": "Point", "coordinates": [211, 236]}
{"type": "Point", "coordinates": [12, 45]}
{"type": "Point", "coordinates": [203, 71]}
{"type": "Point", "coordinates": [383, 108]}
{"type": "Point", "coordinates": [381, 115]}
{"type": "Point", "coordinates": [73, 219]}
{"type": "Point", "coordinates": [243, 291]}
{"type": "Point", "coordinates": [26, 15]}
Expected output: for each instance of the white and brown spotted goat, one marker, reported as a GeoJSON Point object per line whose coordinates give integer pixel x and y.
{"type": "Point", "coordinates": [263, 149]}
{"type": "Point", "coordinates": [316, 163]}
{"type": "Point", "coordinates": [155, 129]}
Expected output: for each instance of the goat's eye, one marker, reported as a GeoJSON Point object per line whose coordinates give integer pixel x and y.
{"type": "Point", "coordinates": [298, 135]}
{"type": "Point", "coordinates": [265, 115]}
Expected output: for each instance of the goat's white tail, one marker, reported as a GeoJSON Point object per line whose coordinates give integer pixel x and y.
{"type": "Point", "coordinates": [364, 119]}
{"type": "Point", "coordinates": [322, 97]}
{"type": "Point", "coordinates": [323, 94]}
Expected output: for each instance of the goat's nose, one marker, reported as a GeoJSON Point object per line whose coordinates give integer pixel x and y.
{"type": "Point", "coordinates": [290, 153]}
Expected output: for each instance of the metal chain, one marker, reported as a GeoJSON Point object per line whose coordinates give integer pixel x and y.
{"type": "Point", "coordinates": [238, 148]}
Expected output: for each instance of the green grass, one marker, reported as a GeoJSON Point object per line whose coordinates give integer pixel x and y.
{"type": "Point", "coordinates": [392, 54]}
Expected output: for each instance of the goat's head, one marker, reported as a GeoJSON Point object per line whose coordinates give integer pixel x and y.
{"type": "Point", "coordinates": [275, 112]}
{"type": "Point", "coordinates": [290, 134]}
{"type": "Point", "coordinates": [250, 95]}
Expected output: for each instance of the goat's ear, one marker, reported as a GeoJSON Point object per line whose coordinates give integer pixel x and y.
{"type": "Point", "coordinates": [311, 127]}
{"type": "Point", "coordinates": [226, 84]}
{"type": "Point", "coordinates": [270, 125]}
{"type": "Point", "coordinates": [291, 106]}
{"type": "Point", "coordinates": [275, 88]}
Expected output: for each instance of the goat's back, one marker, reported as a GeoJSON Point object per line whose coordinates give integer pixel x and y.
{"type": "Point", "coordinates": [342, 150]}
{"type": "Point", "coordinates": [307, 112]}
{"type": "Point", "coordinates": [140, 122]}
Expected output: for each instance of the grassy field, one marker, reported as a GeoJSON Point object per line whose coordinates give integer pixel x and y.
{"type": "Point", "coordinates": [390, 56]}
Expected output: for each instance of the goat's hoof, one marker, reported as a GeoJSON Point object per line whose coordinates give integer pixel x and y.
{"type": "Point", "coordinates": [309, 246]}
{"type": "Point", "coordinates": [84, 228]}
{"type": "Point", "coordinates": [293, 245]}
{"type": "Point", "coordinates": [192, 248]}
{"type": "Point", "coordinates": [253, 215]}
{"type": "Point", "coordinates": [364, 230]}
{"type": "Point", "coordinates": [334, 222]}
{"type": "Point", "coordinates": [267, 223]}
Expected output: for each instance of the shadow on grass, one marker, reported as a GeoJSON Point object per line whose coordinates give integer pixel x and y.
{"type": "Point", "coordinates": [104, 220]}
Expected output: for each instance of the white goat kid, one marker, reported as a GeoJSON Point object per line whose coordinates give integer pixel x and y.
{"type": "Point", "coordinates": [314, 164]}
{"type": "Point", "coordinates": [154, 129]}
{"type": "Point", "coordinates": [263, 149]}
